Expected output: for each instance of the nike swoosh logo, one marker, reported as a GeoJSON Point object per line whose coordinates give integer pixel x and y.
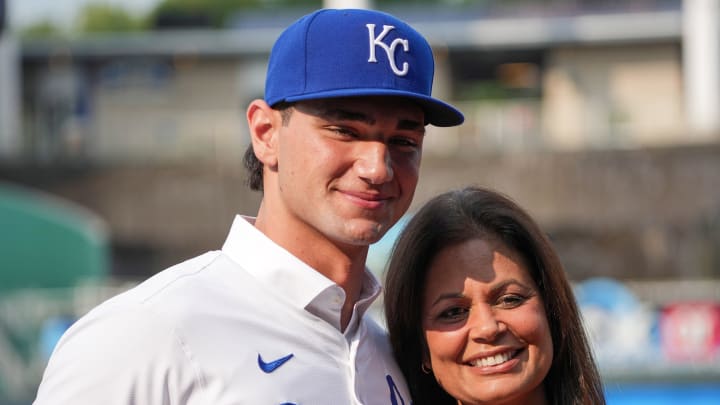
{"type": "Point", "coordinates": [269, 367]}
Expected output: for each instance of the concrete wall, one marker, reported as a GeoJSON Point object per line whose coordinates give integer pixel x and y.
{"type": "Point", "coordinates": [649, 213]}
{"type": "Point", "coordinates": [194, 112]}
{"type": "Point", "coordinates": [640, 213]}
{"type": "Point", "coordinates": [131, 110]}
{"type": "Point", "coordinates": [168, 109]}
{"type": "Point", "coordinates": [623, 96]}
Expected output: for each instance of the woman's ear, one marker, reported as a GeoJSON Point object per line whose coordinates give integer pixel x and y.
{"type": "Point", "coordinates": [264, 123]}
{"type": "Point", "coordinates": [425, 364]}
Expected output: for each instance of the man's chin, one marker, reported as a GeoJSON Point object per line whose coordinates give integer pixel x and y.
{"type": "Point", "coordinates": [369, 235]}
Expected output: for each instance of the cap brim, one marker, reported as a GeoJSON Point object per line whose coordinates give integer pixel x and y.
{"type": "Point", "coordinates": [437, 113]}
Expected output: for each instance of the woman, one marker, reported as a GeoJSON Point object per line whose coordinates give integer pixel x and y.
{"type": "Point", "coordinates": [479, 310]}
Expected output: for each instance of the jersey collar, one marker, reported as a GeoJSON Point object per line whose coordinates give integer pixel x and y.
{"type": "Point", "coordinates": [291, 278]}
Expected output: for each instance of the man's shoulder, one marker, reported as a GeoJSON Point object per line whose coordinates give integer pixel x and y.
{"type": "Point", "coordinates": [376, 332]}
{"type": "Point", "coordinates": [154, 312]}
{"type": "Point", "coordinates": [165, 281]}
{"type": "Point", "coordinates": [373, 324]}
{"type": "Point", "coordinates": [166, 292]}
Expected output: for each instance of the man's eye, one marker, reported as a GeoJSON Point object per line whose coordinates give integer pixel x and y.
{"type": "Point", "coordinates": [345, 132]}
{"type": "Point", "coordinates": [404, 142]}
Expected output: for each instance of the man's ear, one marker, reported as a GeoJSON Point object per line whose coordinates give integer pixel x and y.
{"type": "Point", "coordinates": [264, 124]}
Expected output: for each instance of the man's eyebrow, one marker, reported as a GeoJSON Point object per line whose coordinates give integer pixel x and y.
{"type": "Point", "coordinates": [346, 115]}
{"type": "Point", "coordinates": [411, 125]}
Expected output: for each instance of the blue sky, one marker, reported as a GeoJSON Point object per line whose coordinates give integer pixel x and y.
{"type": "Point", "coordinates": [62, 12]}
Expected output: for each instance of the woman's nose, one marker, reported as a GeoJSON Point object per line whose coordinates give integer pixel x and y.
{"type": "Point", "coordinates": [483, 324]}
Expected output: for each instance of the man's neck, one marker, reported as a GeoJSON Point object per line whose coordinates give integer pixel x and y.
{"type": "Point", "coordinates": [343, 264]}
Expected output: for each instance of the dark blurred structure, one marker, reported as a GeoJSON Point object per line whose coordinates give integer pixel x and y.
{"type": "Point", "coordinates": [3, 17]}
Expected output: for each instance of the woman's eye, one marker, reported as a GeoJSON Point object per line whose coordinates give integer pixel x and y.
{"type": "Point", "coordinates": [453, 313]}
{"type": "Point", "coordinates": [511, 300]}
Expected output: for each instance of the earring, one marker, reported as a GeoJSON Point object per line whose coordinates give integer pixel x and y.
{"type": "Point", "coordinates": [425, 369]}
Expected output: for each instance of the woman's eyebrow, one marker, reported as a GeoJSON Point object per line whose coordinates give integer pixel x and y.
{"type": "Point", "coordinates": [495, 288]}
{"type": "Point", "coordinates": [512, 281]}
{"type": "Point", "coordinates": [448, 296]}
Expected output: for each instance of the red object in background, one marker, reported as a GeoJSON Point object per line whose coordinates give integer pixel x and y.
{"type": "Point", "coordinates": [691, 331]}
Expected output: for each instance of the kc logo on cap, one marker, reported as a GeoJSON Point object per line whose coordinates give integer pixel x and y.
{"type": "Point", "coordinates": [389, 49]}
{"type": "Point", "coordinates": [355, 53]}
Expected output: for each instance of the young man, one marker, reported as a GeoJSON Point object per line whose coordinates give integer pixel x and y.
{"type": "Point", "coordinates": [276, 316]}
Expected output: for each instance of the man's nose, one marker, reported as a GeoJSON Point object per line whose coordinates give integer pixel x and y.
{"type": "Point", "coordinates": [374, 163]}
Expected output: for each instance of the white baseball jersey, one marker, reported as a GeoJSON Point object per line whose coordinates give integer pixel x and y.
{"type": "Point", "coordinates": [250, 324]}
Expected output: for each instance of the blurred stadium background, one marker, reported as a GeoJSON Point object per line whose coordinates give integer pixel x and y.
{"type": "Point", "coordinates": [121, 136]}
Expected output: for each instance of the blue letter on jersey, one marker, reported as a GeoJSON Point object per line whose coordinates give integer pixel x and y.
{"type": "Point", "coordinates": [394, 392]}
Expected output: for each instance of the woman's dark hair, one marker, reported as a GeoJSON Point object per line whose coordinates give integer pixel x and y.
{"type": "Point", "coordinates": [251, 162]}
{"type": "Point", "coordinates": [478, 213]}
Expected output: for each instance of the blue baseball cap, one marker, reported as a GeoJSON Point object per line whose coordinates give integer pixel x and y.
{"type": "Point", "coordinates": [348, 53]}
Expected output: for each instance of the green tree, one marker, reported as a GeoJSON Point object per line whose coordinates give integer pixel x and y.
{"type": "Point", "coordinates": [217, 12]}
{"type": "Point", "coordinates": [98, 17]}
{"type": "Point", "coordinates": [41, 29]}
